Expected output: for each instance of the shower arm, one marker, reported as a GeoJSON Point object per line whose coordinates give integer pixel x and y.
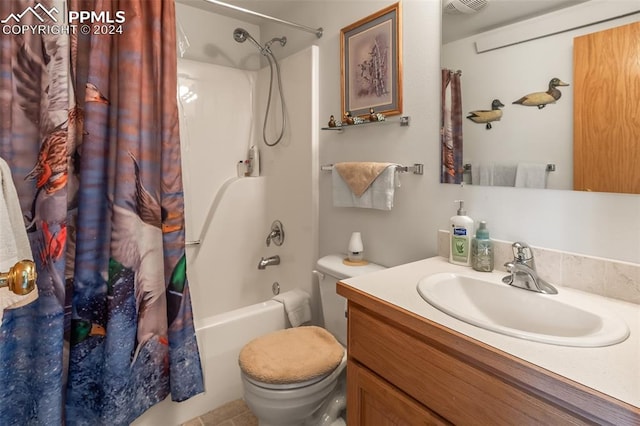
{"type": "Point", "coordinates": [282, 40]}
{"type": "Point", "coordinates": [317, 31]}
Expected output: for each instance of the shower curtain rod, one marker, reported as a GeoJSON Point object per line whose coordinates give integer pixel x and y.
{"type": "Point", "coordinates": [316, 31]}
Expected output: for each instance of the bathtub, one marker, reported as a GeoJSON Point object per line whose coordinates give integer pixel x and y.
{"type": "Point", "coordinates": [220, 339]}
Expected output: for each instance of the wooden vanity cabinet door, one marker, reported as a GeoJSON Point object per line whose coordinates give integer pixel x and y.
{"type": "Point", "coordinates": [440, 379]}
{"type": "Point", "coordinates": [400, 362]}
{"type": "Point", "coordinates": [375, 402]}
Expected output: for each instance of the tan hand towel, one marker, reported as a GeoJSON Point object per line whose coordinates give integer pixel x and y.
{"type": "Point", "coordinates": [359, 176]}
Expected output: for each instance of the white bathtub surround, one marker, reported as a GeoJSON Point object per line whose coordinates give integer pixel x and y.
{"type": "Point", "coordinates": [232, 216]}
{"type": "Point", "coordinates": [612, 370]}
{"type": "Point", "coordinates": [604, 277]}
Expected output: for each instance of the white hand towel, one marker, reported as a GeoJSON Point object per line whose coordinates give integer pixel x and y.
{"type": "Point", "coordinates": [482, 174]}
{"type": "Point", "coordinates": [490, 174]}
{"type": "Point", "coordinates": [14, 244]}
{"type": "Point", "coordinates": [297, 305]}
{"type": "Point", "coordinates": [504, 175]}
{"type": "Point", "coordinates": [379, 195]}
{"type": "Point", "coordinates": [531, 175]}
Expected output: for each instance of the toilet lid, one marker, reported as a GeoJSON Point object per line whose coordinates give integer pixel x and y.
{"type": "Point", "coordinates": [292, 355]}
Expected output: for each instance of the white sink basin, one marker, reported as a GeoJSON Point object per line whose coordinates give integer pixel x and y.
{"type": "Point", "coordinates": [555, 319]}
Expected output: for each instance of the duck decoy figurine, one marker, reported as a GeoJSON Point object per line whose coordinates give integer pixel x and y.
{"type": "Point", "coordinates": [487, 116]}
{"type": "Point", "coordinates": [348, 118]}
{"type": "Point", "coordinates": [541, 99]}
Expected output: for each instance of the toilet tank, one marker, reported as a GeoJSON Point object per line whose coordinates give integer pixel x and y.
{"type": "Point", "coordinates": [334, 306]}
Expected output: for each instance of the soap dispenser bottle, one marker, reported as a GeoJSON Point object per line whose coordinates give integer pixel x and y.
{"type": "Point", "coordinates": [482, 249]}
{"type": "Point", "coordinates": [461, 232]}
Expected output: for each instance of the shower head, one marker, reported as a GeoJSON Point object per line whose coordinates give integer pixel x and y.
{"type": "Point", "coordinates": [241, 35]}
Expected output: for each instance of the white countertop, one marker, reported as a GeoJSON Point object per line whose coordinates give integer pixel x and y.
{"type": "Point", "coordinates": [613, 370]}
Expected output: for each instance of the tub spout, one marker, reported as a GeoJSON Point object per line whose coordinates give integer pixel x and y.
{"type": "Point", "coordinates": [271, 260]}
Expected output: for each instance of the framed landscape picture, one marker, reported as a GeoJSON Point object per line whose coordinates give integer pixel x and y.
{"type": "Point", "coordinates": [371, 64]}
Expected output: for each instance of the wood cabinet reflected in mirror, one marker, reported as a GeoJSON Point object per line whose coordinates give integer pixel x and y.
{"type": "Point", "coordinates": [546, 136]}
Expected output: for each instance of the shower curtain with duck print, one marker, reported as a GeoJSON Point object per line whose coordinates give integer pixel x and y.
{"type": "Point", "coordinates": [451, 127]}
{"type": "Point", "coordinates": [89, 126]}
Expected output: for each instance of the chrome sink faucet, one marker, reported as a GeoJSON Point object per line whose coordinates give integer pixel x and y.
{"type": "Point", "coordinates": [523, 273]}
{"type": "Point", "coordinates": [268, 261]}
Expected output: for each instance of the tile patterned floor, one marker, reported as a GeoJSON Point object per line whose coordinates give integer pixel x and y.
{"type": "Point", "coordinates": [234, 413]}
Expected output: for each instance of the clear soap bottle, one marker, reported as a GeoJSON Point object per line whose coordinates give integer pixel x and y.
{"type": "Point", "coordinates": [482, 249]}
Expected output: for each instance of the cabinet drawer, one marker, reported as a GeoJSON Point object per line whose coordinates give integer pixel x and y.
{"type": "Point", "coordinates": [442, 379]}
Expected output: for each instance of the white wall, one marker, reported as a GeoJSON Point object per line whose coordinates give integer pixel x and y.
{"type": "Point", "coordinates": [208, 37]}
{"type": "Point", "coordinates": [524, 134]}
{"type": "Point", "coordinates": [606, 225]}
{"type": "Point", "coordinates": [388, 236]}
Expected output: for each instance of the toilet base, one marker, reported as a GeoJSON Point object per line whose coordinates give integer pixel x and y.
{"type": "Point", "coordinates": [302, 413]}
{"type": "Point", "coordinates": [333, 407]}
{"type": "Point", "coordinates": [316, 405]}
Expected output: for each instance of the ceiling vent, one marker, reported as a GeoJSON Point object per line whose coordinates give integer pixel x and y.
{"type": "Point", "coordinates": [455, 7]}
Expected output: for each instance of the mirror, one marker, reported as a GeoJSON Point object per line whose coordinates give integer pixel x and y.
{"type": "Point", "coordinates": [538, 138]}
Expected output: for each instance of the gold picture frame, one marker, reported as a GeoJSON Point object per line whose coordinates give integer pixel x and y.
{"type": "Point", "coordinates": [371, 64]}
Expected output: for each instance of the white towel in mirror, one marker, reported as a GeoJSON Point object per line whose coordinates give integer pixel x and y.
{"type": "Point", "coordinates": [491, 174]}
{"type": "Point", "coordinates": [531, 175]}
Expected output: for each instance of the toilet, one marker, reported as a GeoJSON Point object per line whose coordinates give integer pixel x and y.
{"type": "Point", "coordinates": [295, 377]}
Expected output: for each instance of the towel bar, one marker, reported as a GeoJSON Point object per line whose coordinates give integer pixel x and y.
{"type": "Point", "coordinates": [550, 167]}
{"type": "Point", "coordinates": [416, 169]}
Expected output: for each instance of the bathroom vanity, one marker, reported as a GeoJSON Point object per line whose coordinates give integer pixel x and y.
{"type": "Point", "coordinates": [411, 364]}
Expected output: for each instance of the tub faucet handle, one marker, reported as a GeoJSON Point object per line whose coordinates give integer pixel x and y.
{"type": "Point", "coordinates": [276, 234]}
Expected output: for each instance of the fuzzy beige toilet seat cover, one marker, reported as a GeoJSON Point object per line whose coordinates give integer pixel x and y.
{"type": "Point", "coordinates": [291, 355]}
